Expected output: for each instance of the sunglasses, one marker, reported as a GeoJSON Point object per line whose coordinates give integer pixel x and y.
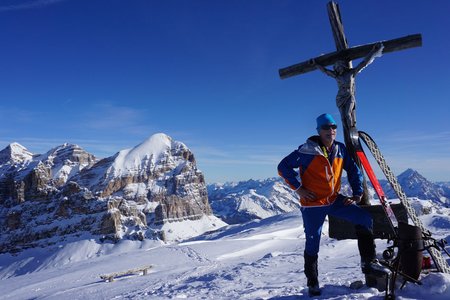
{"type": "Point", "coordinates": [328, 127]}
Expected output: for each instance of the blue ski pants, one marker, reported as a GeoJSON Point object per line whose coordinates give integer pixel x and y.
{"type": "Point", "coordinates": [314, 217]}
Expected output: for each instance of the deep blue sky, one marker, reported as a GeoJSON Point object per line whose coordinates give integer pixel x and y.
{"type": "Point", "coordinates": [107, 74]}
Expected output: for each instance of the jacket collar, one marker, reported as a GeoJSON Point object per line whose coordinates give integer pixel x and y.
{"type": "Point", "coordinates": [313, 146]}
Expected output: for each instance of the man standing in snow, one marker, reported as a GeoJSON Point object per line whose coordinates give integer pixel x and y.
{"type": "Point", "coordinates": [321, 161]}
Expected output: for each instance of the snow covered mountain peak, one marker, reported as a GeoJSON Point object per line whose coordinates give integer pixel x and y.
{"type": "Point", "coordinates": [154, 146]}
{"type": "Point", "coordinates": [411, 174]}
{"type": "Point", "coordinates": [414, 184]}
{"type": "Point", "coordinates": [148, 152]}
{"type": "Point", "coordinates": [16, 153]}
{"type": "Point", "coordinates": [158, 141]}
{"type": "Point", "coordinates": [66, 160]}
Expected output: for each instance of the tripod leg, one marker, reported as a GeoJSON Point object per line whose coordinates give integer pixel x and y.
{"type": "Point", "coordinates": [390, 286]}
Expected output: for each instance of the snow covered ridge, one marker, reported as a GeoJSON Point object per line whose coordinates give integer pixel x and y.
{"type": "Point", "coordinates": [68, 194]}
{"type": "Point", "coordinates": [249, 200]}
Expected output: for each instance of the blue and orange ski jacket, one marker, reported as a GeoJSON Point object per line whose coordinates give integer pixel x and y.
{"type": "Point", "coordinates": [320, 172]}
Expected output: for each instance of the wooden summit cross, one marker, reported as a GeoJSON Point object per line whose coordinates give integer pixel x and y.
{"type": "Point", "coordinates": [345, 55]}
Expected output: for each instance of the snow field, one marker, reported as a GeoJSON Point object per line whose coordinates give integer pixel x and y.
{"type": "Point", "coordinates": [258, 260]}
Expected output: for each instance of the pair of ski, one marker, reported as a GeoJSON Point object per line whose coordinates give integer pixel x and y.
{"type": "Point", "coordinates": [439, 260]}
{"type": "Point", "coordinates": [430, 244]}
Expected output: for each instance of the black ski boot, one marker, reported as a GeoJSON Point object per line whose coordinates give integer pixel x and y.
{"type": "Point", "coordinates": [374, 268]}
{"type": "Point", "coordinates": [314, 291]}
{"type": "Point", "coordinates": [370, 266]}
{"type": "Point", "coordinates": [311, 273]}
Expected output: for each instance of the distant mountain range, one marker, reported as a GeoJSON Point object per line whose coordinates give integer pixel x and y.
{"type": "Point", "coordinates": [151, 191]}
{"type": "Point", "coordinates": [258, 199]}
{"type": "Point", "coordinates": [252, 199]}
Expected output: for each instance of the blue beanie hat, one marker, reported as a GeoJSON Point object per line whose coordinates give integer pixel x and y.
{"type": "Point", "coordinates": [324, 119]}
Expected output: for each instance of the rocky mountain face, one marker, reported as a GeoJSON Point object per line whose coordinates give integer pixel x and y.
{"type": "Point", "coordinates": [67, 193]}
{"type": "Point", "coordinates": [257, 199]}
{"type": "Point", "coordinates": [24, 176]}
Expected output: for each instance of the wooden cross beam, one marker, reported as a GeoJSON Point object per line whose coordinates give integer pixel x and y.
{"type": "Point", "coordinates": [350, 54]}
{"type": "Point", "coordinates": [343, 51]}
{"type": "Point", "coordinates": [345, 74]}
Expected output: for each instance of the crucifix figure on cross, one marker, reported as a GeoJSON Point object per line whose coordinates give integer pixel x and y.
{"type": "Point", "coordinates": [345, 74]}
{"type": "Point", "coordinates": [345, 78]}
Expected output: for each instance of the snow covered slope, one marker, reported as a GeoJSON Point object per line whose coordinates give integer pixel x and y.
{"type": "Point", "coordinates": [262, 259]}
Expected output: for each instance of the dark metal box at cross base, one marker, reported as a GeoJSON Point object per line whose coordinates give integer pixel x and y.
{"type": "Point", "coordinates": [341, 229]}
